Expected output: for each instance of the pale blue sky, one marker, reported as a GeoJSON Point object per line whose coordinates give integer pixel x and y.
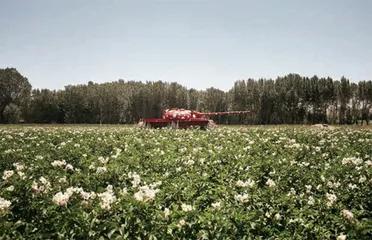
{"type": "Point", "coordinates": [198, 43]}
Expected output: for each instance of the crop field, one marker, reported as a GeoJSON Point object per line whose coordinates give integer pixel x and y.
{"type": "Point", "coordinates": [93, 182]}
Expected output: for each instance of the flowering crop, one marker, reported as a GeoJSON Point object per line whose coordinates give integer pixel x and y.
{"type": "Point", "coordinates": [118, 183]}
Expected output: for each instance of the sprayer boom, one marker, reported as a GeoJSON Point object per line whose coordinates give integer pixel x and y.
{"type": "Point", "coordinates": [198, 114]}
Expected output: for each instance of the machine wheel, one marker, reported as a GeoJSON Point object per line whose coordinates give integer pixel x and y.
{"type": "Point", "coordinates": [144, 125]}
{"type": "Point", "coordinates": [209, 126]}
{"type": "Point", "coordinates": [174, 125]}
{"type": "Point", "coordinates": [205, 127]}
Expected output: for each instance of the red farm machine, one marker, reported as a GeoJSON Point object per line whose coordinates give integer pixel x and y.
{"type": "Point", "coordinates": [183, 119]}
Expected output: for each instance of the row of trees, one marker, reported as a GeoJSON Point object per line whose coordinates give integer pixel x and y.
{"type": "Point", "coordinates": [291, 99]}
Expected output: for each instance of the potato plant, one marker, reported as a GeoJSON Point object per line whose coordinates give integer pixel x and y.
{"type": "Point", "coordinates": [228, 183]}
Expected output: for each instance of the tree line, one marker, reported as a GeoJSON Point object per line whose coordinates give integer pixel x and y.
{"type": "Point", "coordinates": [290, 99]}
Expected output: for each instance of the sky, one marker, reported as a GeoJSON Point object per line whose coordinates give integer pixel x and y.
{"type": "Point", "coordinates": [197, 43]}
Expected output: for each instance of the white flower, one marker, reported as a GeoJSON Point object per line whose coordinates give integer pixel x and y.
{"type": "Point", "coordinates": [10, 188]}
{"type": "Point", "coordinates": [19, 166]}
{"type": "Point", "coordinates": [311, 201]}
{"type": "Point", "coordinates": [84, 203]}
{"type": "Point", "coordinates": [4, 204]}
{"type": "Point", "coordinates": [331, 199]}
{"type": "Point", "coordinates": [62, 180]}
{"type": "Point", "coordinates": [61, 199]}
{"type": "Point", "coordinates": [345, 161]}
{"type": "Point", "coordinates": [322, 178]}
{"type": "Point", "coordinates": [186, 207]}
{"type": "Point", "coordinates": [155, 184]}
{"type": "Point", "coordinates": [58, 163]}
{"type": "Point", "coordinates": [181, 223]}
{"type": "Point", "coordinates": [333, 185]}
{"type": "Point", "coordinates": [248, 183]}
{"type": "Point", "coordinates": [103, 160]}
{"type": "Point", "coordinates": [326, 166]}
{"type": "Point", "coordinates": [43, 188]}
{"type": "Point", "coordinates": [21, 175]}
{"type": "Point", "coordinates": [149, 193]}
{"type": "Point", "coordinates": [278, 216]}
{"type": "Point", "coordinates": [107, 198]}
{"type": "Point", "coordinates": [241, 198]}
{"type": "Point", "coordinates": [305, 164]}
{"type": "Point", "coordinates": [270, 183]}
{"type": "Point", "coordinates": [357, 161]}
{"type": "Point", "coordinates": [341, 237]}
{"type": "Point", "coordinates": [7, 174]}
{"type": "Point", "coordinates": [72, 190]}
{"type": "Point", "coordinates": [139, 196]}
{"type": "Point", "coordinates": [347, 214]}
{"type": "Point", "coordinates": [292, 192]}
{"type": "Point", "coordinates": [136, 179]}
{"type": "Point", "coordinates": [124, 191]}
{"type": "Point", "coordinates": [166, 212]}
{"type": "Point", "coordinates": [69, 167]}
{"type": "Point", "coordinates": [353, 160]}
{"type": "Point", "coordinates": [34, 186]}
{"type": "Point", "coordinates": [189, 163]}
{"type": "Point", "coordinates": [296, 145]}
{"type": "Point", "coordinates": [240, 183]}
{"type": "Point", "coordinates": [145, 193]}
{"type": "Point", "coordinates": [216, 204]}
{"type": "Point", "coordinates": [105, 206]}
{"type": "Point", "coordinates": [87, 195]}
{"type": "Point", "coordinates": [352, 186]}
{"type": "Point", "coordinates": [362, 179]}
{"type": "Point", "coordinates": [43, 180]}
{"type": "Point", "coordinates": [101, 170]}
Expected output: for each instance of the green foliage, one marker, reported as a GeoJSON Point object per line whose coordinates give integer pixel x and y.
{"type": "Point", "coordinates": [229, 183]}
{"type": "Point", "coordinates": [289, 99]}
{"type": "Point", "coordinates": [12, 113]}
{"type": "Point", "coordinates": [14, 89]}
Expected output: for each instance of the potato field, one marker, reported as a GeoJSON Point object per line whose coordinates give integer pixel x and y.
{"type": "Point", "coordinates": [91, 182]}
